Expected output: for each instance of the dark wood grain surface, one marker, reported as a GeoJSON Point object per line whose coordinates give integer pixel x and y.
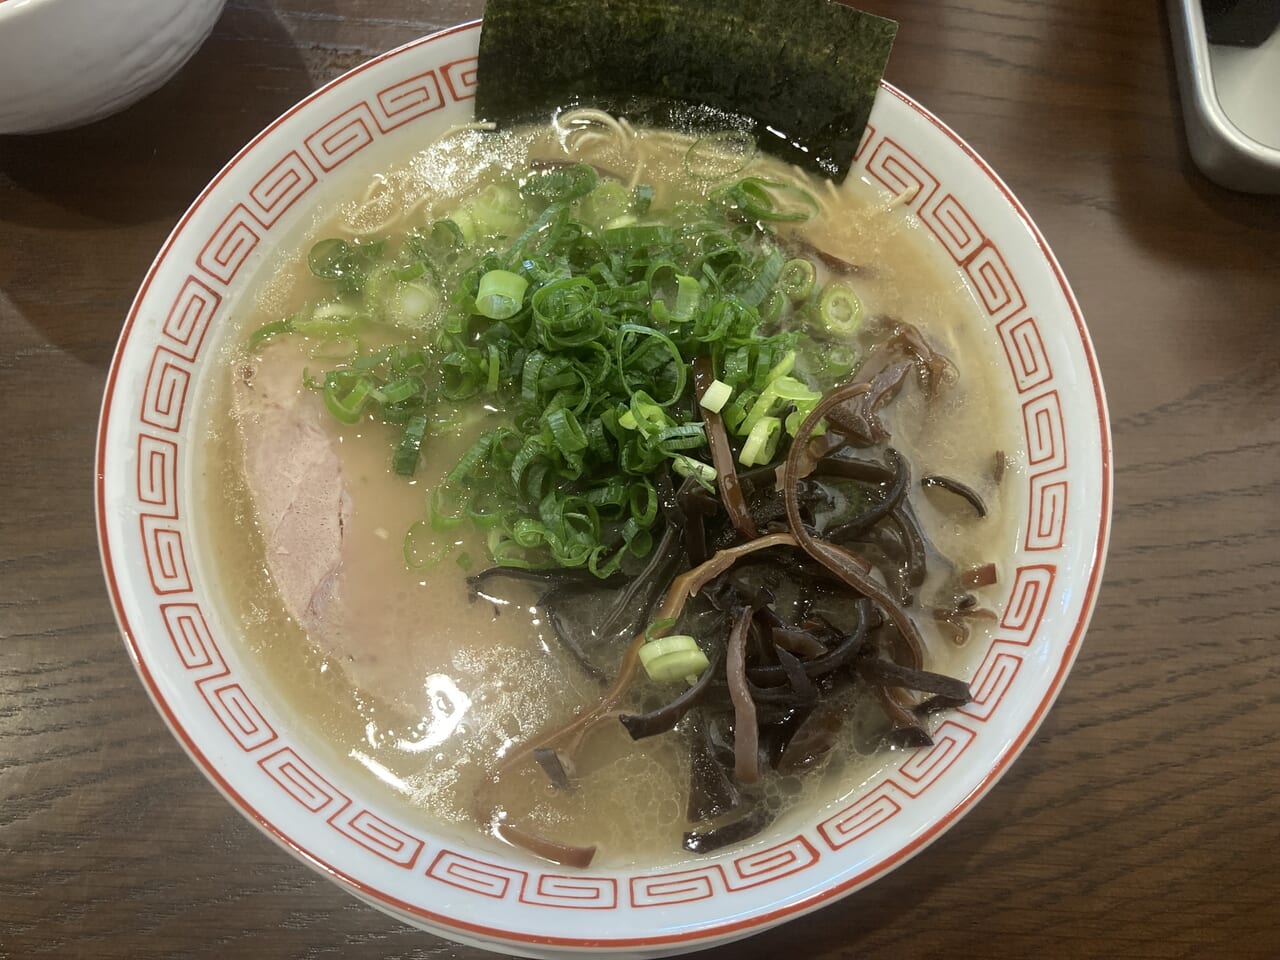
{"type": "Point", "coordinates": [1142, 821]}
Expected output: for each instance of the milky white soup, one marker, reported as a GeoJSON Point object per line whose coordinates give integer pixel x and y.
{"type": "Point", "coordinates": [419, 685]}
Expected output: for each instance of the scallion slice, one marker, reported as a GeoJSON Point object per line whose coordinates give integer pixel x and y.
{"type": "Point", "coordinates": [762, 442]}
{"type": "Point", "coordinates": [501, 294]}
{"type": "Point", "coordinates": [797, 279]}
{"type": "Point", "coordinates": [840, 309]}
{"type": "Point", "coordinates": [673, 658]}
{"type": "Point", "coordinates": [716, 396]}
{"type": "Point", "coordinates": [405, 459]}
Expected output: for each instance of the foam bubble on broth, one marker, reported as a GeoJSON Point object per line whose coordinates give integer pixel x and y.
{"type": "Point", "coordinates": [501, 660]}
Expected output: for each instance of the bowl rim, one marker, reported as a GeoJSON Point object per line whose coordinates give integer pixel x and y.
{"type": "Point", "coordinates": [688, 938]}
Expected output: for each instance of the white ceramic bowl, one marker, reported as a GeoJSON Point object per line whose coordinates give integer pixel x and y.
{"type": "Point", "coordinates": [67, 62]}
{"type": "Point", "coordinates": [186, 651]}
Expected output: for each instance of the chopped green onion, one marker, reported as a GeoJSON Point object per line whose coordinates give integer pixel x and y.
{"type": "Point", "coordinates": [782, 368]}
{"type": "Point", "coordinates": [685, 436]}
{"type": "Point", "coordinates": [689, 467]}
{"type": "Point", "coordinates": [400, 390]}
{"type": "Point", "coordinates": [758, 199]}
{"type": "Point", "coordinates": [495, 369]}
{"type": "Point", "coordinates": [606, 203]}
{"type": "Point", "coordinates": [757, 291]}
{"type": "Point", "coordinates": [840, 309]}
{"type": "Point", "coordinates": [673, 658]}
{"type": "Point", "coordinates": [337, 347]}
{"type": "Point", "coordinates": [455, 231]}
{"type": "Point", "coordinates": [658, 626]}
{"type": "Point", "coordinates": [560, 185]}
{"type": "Point", "coordinates": [577, 334]}
{"type": "Point", "coordinates": [329, 258]}
{"type": "Point", "coordinates": [345, 263]}
{"type": "Point", "coordinates": [566, 431]}
{"type": "Point", "coordinates": [791, 389]}
{"type": "Point", "coordinates": [497, 212]}
{"type": "Point", "coordinates": [405, 460]}
{"type": "Point", "coordinates": [411, 304]}
{"type": "Point", "coordinates": [267, 331]}
{"type": "Point", "coordinates": [347, 405]}
{"type": "Point", "coordinates": [716, 396]}
{"type": "Point", "coordinates": [326, 319]}
{"type": "Point", "coordinates": [501, 294]}
{"type": "Point", "coordinates": [674, 297]}
{"type": "Point", "coordinates": [734, 413]}
{"type": "Point", "coordinates": [797, 417]}
{"type": "Point", "coordinates": [762, 442]}
{"type": "Point", "coordinates": [648, 235]}
{"type": "Point", "coordinates": [797, 279]}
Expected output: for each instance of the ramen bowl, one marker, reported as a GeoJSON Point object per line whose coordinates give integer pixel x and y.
{"type": "Point", "coordinates": [63, 64]}
{"type": "Point", "coordinates": [261, 755]}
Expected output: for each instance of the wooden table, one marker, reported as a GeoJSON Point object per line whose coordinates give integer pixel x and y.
{"type": "Point", "coordinates": [1141, 821]}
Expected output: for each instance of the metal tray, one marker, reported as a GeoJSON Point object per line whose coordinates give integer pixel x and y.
{"type": "Point", "coordinates": [1229, 103]}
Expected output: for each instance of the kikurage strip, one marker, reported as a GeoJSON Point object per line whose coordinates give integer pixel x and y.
{"type": "Point", "coordinates": [722, 456]}
{"type": "Point", "coordinates": [746, 733]}
{"type": "Point", "coordinates": [961, 490]}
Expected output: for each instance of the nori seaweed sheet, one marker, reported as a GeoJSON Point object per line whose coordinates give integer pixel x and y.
{"type": "Point", "coordinates": [808, 69]}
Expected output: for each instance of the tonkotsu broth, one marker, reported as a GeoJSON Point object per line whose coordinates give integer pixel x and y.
{"type": "Point", "coordinates": [491, 675]}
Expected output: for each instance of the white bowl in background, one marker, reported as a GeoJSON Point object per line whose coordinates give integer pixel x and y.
{"type": "Point", "coordinates": [223, 712]}
{"type": "Point", "coordinates": [66, 62]}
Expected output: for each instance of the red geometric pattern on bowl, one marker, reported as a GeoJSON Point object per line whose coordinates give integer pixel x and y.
{"type": "Point", "coordinates": [873, 808]}
{"type": "Point", "coordinates": [1047, 458]}
{"type": "Point", "coordinates": [342, 137]}
{"type": "Point", "coordinates": [280, 188]}
{"type": "Point", "coordinates": [229, 246]}
{"type": "Point", "coordinates": [991, 681]}
{"type": "Point", "coordinates": [900, 173]}
{"type": "Point", "coordinates": [461, 77]}
{"type": "Point", "coordinates": [251, 219]}
{"type": "Point", "coordinates": [1028, 600]}
{"type": "Point", "coordinates": [700, 883]}
{"type": "Point", "coordinates": [953, 226]}
{"type": "Point", "coordinates": [378, 836]}
{"type": "Point", "coordinates": [192, 639]}
{"type": "Point", "coordinates": [1025, 350]}
{"type": "Point", "coordinates": [998, 292]}
{"type": "Point", "coordinates": [297, 778]}
{"type": "Point", "coordinates": [408, 100]}
{"type": "Point", "coordinates": [573, 892]}
{"type": "Point", "coordinates": [165, 396]}
{"type": "Point", "coordinates": [682, 886]}
{"type": "Point", "coordinates": [475, 876]}
{"type": "Point", "coordinates": [158, 475]}
{"type": "Point", "coordinates": [165, 553]}
{"type": "Point", "coordinates": [237, 713]}
{"type": "Point", "coordinates": [774, 863]}
{"type": "Point", "coordinates": [189, 318]}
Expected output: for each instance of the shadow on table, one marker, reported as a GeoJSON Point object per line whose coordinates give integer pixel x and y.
{"type": "Point", "coordinates": [150, 161]}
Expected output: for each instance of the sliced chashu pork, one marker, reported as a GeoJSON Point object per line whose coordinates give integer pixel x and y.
{"type": "Point", "coordinates": [295, 479]}
{"type": "Point", "coordinates": [304, 505]}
